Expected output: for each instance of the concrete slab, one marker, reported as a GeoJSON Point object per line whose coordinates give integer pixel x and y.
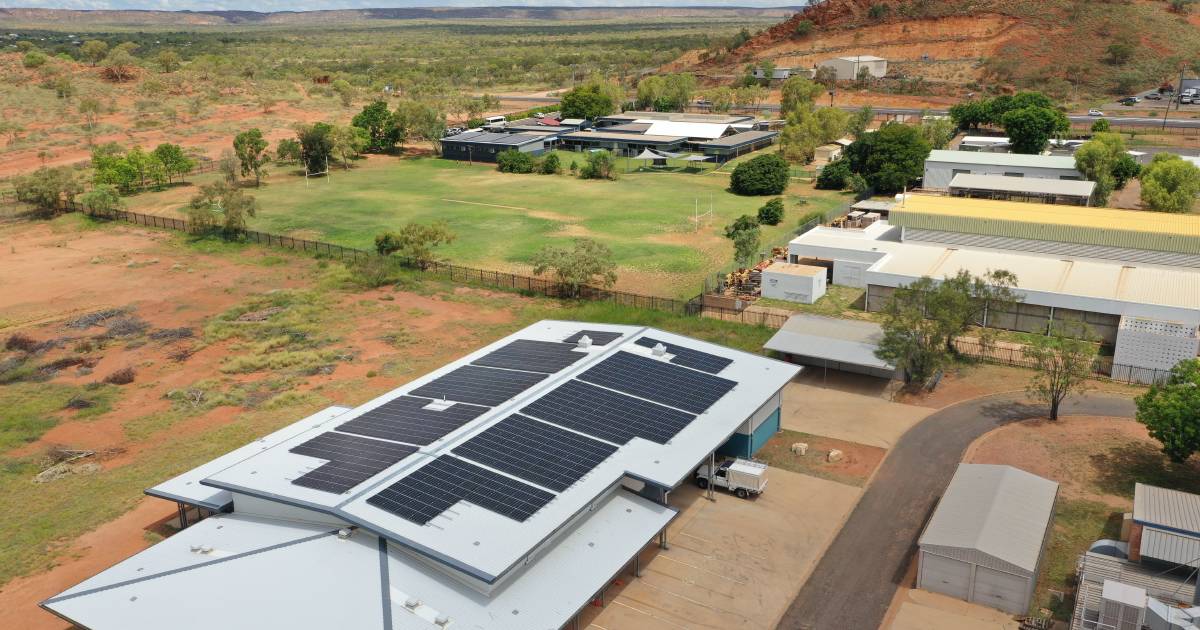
{"type": "Point", "coordinates": [921, 610]}
{"type": "Point", "coordinates": [732, 563]}
{"type": "Point", "coordinates": [847, 416]}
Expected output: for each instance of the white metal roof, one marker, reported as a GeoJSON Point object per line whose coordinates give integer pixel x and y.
{"type": "Point", "coordinates": [483, 544]}
{"type": "Point", "coordinates": [1165, 508]}
{"type": "Point", "coordinates": [842, 340]}
{"type": "Point", "coordinates": [262, 573]}
{"type": "Point", "coordinates": [1000, 511]}
{"type": "Point", "coordinates": [709, 131]}
{"type": "Point", "coordinates": [1124, 593]}
{"type": "Point", "coordinates": [862, 58]}
{"type": "Point", "coordinates": [1001, 159]}
{"type": "Point", "coordinates": [1035, 185]}
{"type": "Point", "coordinates": [984, 140]}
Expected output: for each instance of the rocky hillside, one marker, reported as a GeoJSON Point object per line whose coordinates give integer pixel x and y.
{"type": "Point", "coordinates": [1077, 50]}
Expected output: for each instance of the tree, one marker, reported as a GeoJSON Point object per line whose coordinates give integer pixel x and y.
{"type": "Point", "coordinates": [344, 90]}
{"type": "Point", "coordinates": [720, 99]}
{"type": "Point", "coordinates": [550, 165]}
{"type": "Point", "coordinates": [63, 86]}
{"type": "Point", "coordinates": [808, 129]}
{"type": "Point", "coordinates": [250, 148]}
{"type": "Point", "coordinates": [34, 59]}
{"type": "Point", "coordinates": [415, 242]}
{"type": "Point", "coordinates": [599, 165]}
{"type": "Point", "coordinates": [119, 66]}
{"type": "Point", "coordinates": [825, 76]}
{"type": "Point", "coordinates": [763, 175]}
{"type": "Point", "coordinates": [969, 299]}
{"type": "Point", "coordinates": [1101, 126]}
{"type": "Point", "coordinates": [971, 114]}
{"type": "Point", "coordinates": [316, 146]}
{"type": "Point", "coordinates": [1030, 128]}
{"type": "Point", "coordinates": [348, 141]}
{"type": "Point", "coordinates": [771, 213]}
{"type": "Point", "coordinates": [47, 189]}
{"type": "Point", "coordinates": [746, 245]}
{"type": "Point", "coordinates": [833, 176]}
{"type": "Point", "coordinates": [380, 125]}
{"type": "Point", "coordinates": [1100, 160]}
{"type": "Point", "coordinates": [422, 121]}
{"type": "Point", "coordinates": [174, 162]}
{"type": "Point", "coordinates": [288, 151]}
{"type": "Point", "coordinates": [102, 199]}
{"type": "Point", "coordinates": [1170, 183]}
{"type": "Point", "coordinates": [890, 159]}
{"type": "Point", "coordinates": [1119, 53]}
{"type": "Point", "coordinates": [227, 165]}
{"type": "Point", "coordinates": [596, 97]}
{"type": "Point", "coordinates": [666, 92]}
{"type": "Point", "coordinates": [224, 204]}
{"type": "Point", "coordinates": [937, 131]}
{"type": "Point", "coordinates": [803, 28]}
{"type": "Point", "coordinates": [94, 51]}
{"type": "Point", "coordinates": [1171, 411]}
{"type": "Point", "coordinates": [798, 93]}
{"type": "Point", "coordinates": [110, 166]}
{"type": "Point", "coordinates": [587, 262]}
{"type": "Point", "coordinates": [89, 108]}
{"type": "Point", "coordinates": [167, 60]}
{"type": "Point", "coordinates": [860, 121]}
{"type": "Point", "coordinates": [514, 161]}
{"type": "Point", "coordinates": [1062, 362]}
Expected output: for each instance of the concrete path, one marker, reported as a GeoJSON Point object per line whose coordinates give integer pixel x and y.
{"type": "Point", "coordinates": [856, 579]}
{"type": "Point", "coordinates": [865, 419]}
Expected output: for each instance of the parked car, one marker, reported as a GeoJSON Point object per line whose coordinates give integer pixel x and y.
{"type": "Point", "coordinates": [1154, 96]}
{"type": "Point", "coordinates": [1130, 100]}
{"type": "Point", "coordinates": [739, 476]}
{"type": "Point", "coordinates": [1185, 99]}
{"type": "Point", "coordinates": [1095, 112]}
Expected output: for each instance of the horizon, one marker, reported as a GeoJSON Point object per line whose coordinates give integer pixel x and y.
{"type": "Point", "coordinates": [279, 6]}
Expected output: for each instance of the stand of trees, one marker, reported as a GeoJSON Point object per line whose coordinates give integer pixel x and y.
{"type": "Point", "coordinates": [1170, 183]}
{"type": "Point", "coordinates": [596, 97]}
{"type": "Point", "coordinates": [414, 243]}
{"type": "Point", "coordinates": [130, 170]}
{"type": "Point", "coordinates": [587, 262]}
{"type": "Point", "coordinates": [666, 92]}
{"type": "Point", "coordinates": [1029, 118]}
{"type": "Point", "coordinates": [1104, 160]}
{"type": "Point", "coordinates": [1171, 411]}
{"type": "Point", "coordinates": [889, 160]}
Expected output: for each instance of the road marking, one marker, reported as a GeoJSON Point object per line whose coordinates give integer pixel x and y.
{"type": "Point", "coordinates": [490, 205]}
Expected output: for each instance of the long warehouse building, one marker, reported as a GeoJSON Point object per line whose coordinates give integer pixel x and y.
{"type": "Point", "coordinates": [1132, 277]}
{"type": "Point", "coordinates": [502, 491]}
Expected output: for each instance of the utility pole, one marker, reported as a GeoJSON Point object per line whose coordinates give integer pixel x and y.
{"type": "Point", "coordinates": [1174, 96]}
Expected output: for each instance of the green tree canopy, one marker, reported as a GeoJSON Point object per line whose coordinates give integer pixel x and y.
{"type": "Point", "coordinates": [766, 174]}
{"type": "Point", "coordinates": [666, 92]}
{"type": "Point", "coordinates": [798, 94]}
{"type": "Point", "coordinates": [586, 262]}
{"type": "Point", "coordinates": [1170, 183]}
{"type": "Point", "coordinates": [414, 243]}
{"type": "Point", "coordinates": [514, 161]}
{"type": "Point", "coordinates": [1062, 363]}
{"type": "Point", "coordinates": [1097, 160]}
{"type": "Point", "coordinates": [250, 147]}
{"type": "Point", "coordinates": [1171, 411]}
{"type": "Point", "coordinates": [599, 165]}
{"type": "Point", "coordinates": [47, 189]}
{"type": "Point", "coordinates": [316, 146]}
{"type": "Point", "coordinates": [93, 51]}
{"type": "Point", "coordinates": [1030, 128]}
{"type": "Point", "coordinates": [891, 158]}
{"type": "Point", "coordinates": [380, 125]}
{"type": "Point", "coordinates": [771, 213]}
{"type": "Point", "coordinates": [596, 97]}
{"type": "Point", "coordinates": [221, 204]}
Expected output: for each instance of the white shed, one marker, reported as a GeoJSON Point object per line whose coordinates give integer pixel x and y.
{"type": "Point", "coordinates": [847, 68]}
{"type": "Point", "coordinates": [941, 166]}
{"type": "Point", "coordinates": [793, 282]}
{"type": "Point", "coordinates": [985, 540]}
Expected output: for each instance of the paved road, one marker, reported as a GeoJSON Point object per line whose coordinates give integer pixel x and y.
{"type": "Point", "coordinates": [853, 584]}
{"type": "Point", "coordinates": [1116, 121]}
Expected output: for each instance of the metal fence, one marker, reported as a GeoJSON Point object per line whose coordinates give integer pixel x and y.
{"type": "Point", "coordinates": [450, 272]}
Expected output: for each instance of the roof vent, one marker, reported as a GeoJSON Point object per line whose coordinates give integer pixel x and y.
{"type": "Point", "coordinates": [584, 342]}
{"type": "Point", "coordinates": [344, 533]}
{"type": "Point", "coordinates": [442, 620]}
{"type": "Point", "coordinates": [411, 603]}
{"type": "Point", "coordinates": [659, 350]}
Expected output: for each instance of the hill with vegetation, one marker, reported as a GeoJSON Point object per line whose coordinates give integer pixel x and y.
{"type": "Point", "coordinates": [1074, 50]}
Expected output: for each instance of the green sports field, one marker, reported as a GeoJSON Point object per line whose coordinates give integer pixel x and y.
{"type": "Point", "coordinates": [502, 219]}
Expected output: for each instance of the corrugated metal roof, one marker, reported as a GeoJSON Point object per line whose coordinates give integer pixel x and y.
{"type": "Point", "coordinates": [740, 139]}
{"type": "Point", "coordinates": [687, 129]}
{"type": "Point", "coordinates": [1035, 185]}
{"type": "Point", "coordinates": [1001, 159]}
{"type": "Point", "coordinates": [1156, 231]}
{"type": "Point", "coordinates": [999, 510]}
{"type": "Point", "coordinates": [1095, 568]}
{"type": "Point", "coordinates": [483, 137]}
{"type": "Point", "coordinates": [623, 137]}
{"type": "Point", "coordinates": [1168, 547]}
{"type": "Point", "coordinates": [833, 339]}
{"type": "Point", "coordinates": [1166, 508]}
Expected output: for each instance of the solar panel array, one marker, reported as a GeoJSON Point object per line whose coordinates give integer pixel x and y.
{"type": "Point", "coordinates": [479, 385]}
{"type": "Point", "coordinates": [658, 381]}
{"type": "Point", "coordinates": [535, 451]}
{"type": "Point", "coordinates": [532, 356]}
{"type": "Point", "coordinates": [406, 419]}
{"type": "Point", "coordinates": [352, 460]}
{"type": "Point", "coordinates": [687, 357]}
{"type": "Point", "coordinates": [598, 337]}
{"type": "Point", "coordinates": [437, 486]}
{"type": "Point", "coordinates": [608, 415]}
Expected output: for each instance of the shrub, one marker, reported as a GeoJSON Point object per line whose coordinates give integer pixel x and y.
{"type": "Point", "coordinates": [550, 165]}
{"type": "Point", "coordinates": [21, 343]}
{"type": "Point", "coordinates": [34, 59]}
{"type": "Point", "coordinates": [599, 165]}
{"type": "Point", "coordinates": [763, 175]}
{"type": "Point", "coordinates": [804, 28]}
{"type": "Point", "coordinates": [514, 161]}
{"type": "Point", "coordinates": [771, 213]}
{"type": "Point", "coordinates": [833, 176]}
{"type": "Point", "coordinates": [123, 376]}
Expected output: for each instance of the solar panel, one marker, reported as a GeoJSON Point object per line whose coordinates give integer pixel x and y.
{"type": "Point", "coordinates": [687, 357]}
{"type": "Point", "coordinates": [598, 337]}
{"type": "Point", "coordinates": [352, 460]}
{"type": "Point", "coordinates": [532, 356]}
{"type": "Point", "coordinates": [535, 451]}
{"type": "Point", "coordinates": [479, 385]}
{"type": "Point", "coordinates": [437, 486]}
{"type": "Point", "coordinates": [658, 381]}
{"type": "Point", "coordinates": [406, 419]}
{"type": "Point", "coordinates": [608, 415]}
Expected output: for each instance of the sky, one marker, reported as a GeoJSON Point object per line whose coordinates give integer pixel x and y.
{"type": "Point", "coordinates": [310, 5]}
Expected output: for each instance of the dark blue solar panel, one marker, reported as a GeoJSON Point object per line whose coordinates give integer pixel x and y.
{"type": "Point", "coordinates": [406, 419]}
{"type": "Point", "coordinates": [352, 460]}
{"type": "Point", "coordinates": [658, 381]}
{"type": "Point", "coordinates": [437, 486]}
{"type": "Point", "coordinates": [608, 415]}
{"type": "Point", "coordinates": [687, 357]}
{"type": "Point", "coordinates": [535, 451]}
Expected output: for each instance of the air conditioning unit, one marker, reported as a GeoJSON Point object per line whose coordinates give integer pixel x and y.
{"type": "Point", "coordinates": [1122, 607]}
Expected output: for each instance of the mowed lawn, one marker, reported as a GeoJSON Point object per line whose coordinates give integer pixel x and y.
{"type": "Point", "coordinates": [502, 219]}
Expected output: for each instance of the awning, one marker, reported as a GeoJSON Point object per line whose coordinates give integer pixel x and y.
{"type": "Point", "coordinates": [697, 158]}
{"type": "Point", "coordinates": [837, 343]}
{"type": "Point", "coordinates": [647, 154]}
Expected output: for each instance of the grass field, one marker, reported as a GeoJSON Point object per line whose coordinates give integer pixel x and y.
{"type": "Point", "coordinates": [501, 220]}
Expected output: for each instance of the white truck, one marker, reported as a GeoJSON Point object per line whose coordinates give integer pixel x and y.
{"type": "Point", "coordinates": [740, 476]}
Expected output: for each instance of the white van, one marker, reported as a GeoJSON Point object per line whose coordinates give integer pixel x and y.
{"type": "Point", "coordinates": [495, 120]}
{"type": "Point", "coordinates": [742, 477]}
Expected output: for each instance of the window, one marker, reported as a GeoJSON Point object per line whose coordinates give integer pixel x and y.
{"type": "Point", "coordinates": [1011, 174]}
{"type": "Point", "coordinates": [1070, 177]}
{"type": "Point", "coordinates": [960, 171]}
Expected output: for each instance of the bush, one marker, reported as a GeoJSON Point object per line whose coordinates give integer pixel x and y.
{"type": "Point", "coordinates": [771, 213]}
{"type": "Point", "coordinates": [34, 59]}
{"type": "Point", "coordinates": [763, 175]}
{"type": "Point", "coordinates": [599, 165]}
{"type": "Point", "coordinates": [833, 176]}
{"type": "Point", "coordinates": [1101, 126]}
{"type": "Point", "coordinates": [550, 165]}
{"type": "Point", "coordinates": [514, 161]}
{"type": "Point", "coordinates": [123, 376]}
{"type": "Point", "coordinates": [804, 28]}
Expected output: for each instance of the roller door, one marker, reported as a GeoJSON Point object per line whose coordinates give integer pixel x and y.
{"type": "Point", "coordinates": [946, 576]}
{"type": "Point", "coordinates": [1004, 591]}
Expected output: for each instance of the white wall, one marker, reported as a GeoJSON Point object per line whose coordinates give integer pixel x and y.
{"type": "Point", "coordinates": [791, 287]}
{"type": "Point", "coordinates": [939, 174]}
